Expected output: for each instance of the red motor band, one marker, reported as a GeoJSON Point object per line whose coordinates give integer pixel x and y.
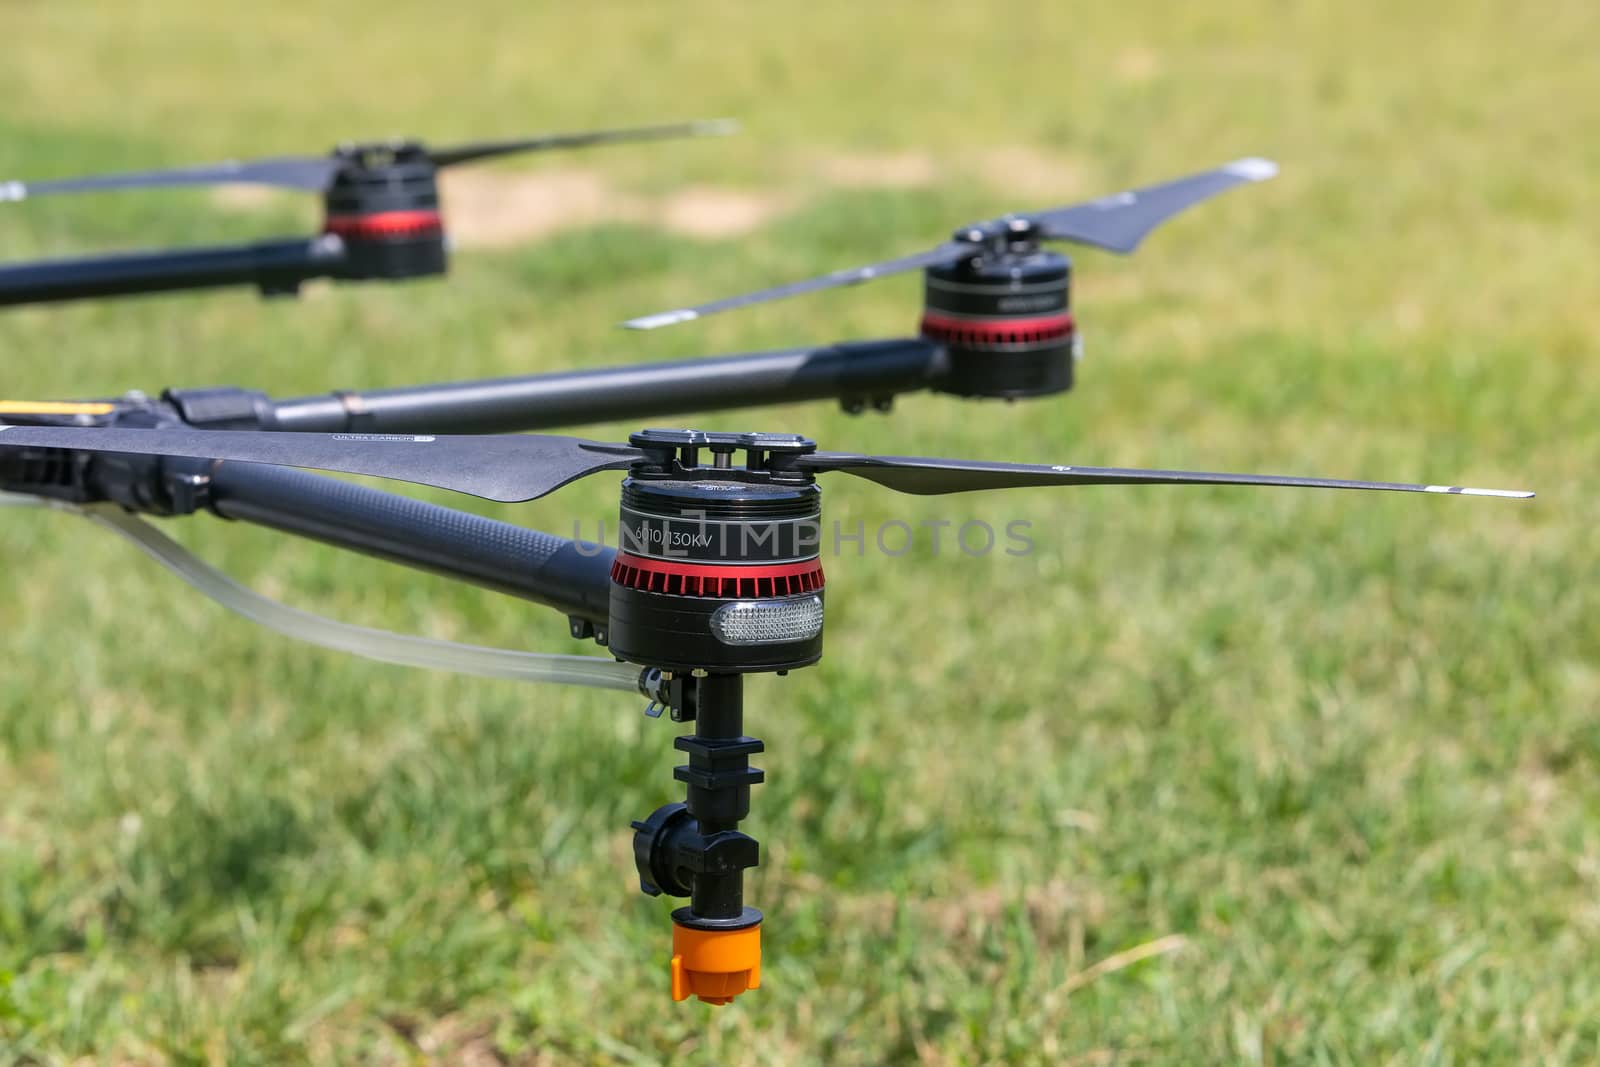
{"type": "Point", "coordinates": [385, 224]}
{"type": "Point", "coordinates": [996, 331]}
{"type": "Point", "coordinates": [736, 580]}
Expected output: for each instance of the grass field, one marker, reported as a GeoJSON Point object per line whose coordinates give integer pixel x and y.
{"type": "Point", "coordinates": [1213, 775]}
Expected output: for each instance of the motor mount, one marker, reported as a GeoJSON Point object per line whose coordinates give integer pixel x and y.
{"type": "Point", "coordinates": [694, 849]}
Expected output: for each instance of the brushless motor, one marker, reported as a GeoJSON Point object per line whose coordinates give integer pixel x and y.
{"type": "Point", "coordinates": [717, 569]}
{"type": "Point", "coordinates": [384, 205]}
{"type": "Point", "coordinates": [1006, 321]}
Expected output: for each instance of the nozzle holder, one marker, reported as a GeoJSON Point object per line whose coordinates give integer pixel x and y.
{"type": "Point", "coordinates": [695, 849]}
{"type": "Point", "coordinates": [669, 850]}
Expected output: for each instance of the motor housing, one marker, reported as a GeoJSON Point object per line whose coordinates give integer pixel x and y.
{"type": "Point", "coordinates": [384, 205]}
{"type": "Point", "coordinates": [1006, 321]}
{"type": "Point", "coordinates": [718, 568]}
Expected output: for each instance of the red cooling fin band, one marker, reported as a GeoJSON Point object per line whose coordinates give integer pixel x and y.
{"type": "Point", "coordinates": [385, 224]}
{"type": "Point", "coordinates": [996, 331]}
{"type": "Point", "coordinates": [738, 580]}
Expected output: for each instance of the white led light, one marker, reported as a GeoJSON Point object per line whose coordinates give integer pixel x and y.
{"type": "Point", "coordinates": [767, 622]}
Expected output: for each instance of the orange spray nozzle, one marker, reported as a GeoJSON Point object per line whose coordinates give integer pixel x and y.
{"type": "Point", "coordinates": [715, 965]}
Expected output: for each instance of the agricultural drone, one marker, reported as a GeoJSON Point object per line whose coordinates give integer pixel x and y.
{"type": "Point", "coordinates": [381, 218]}
{"type": "Point", "coordinates": [718, 574]}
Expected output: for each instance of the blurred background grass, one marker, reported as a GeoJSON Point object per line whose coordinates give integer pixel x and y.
{"type": "Point", "coordinates": [1213, 775]}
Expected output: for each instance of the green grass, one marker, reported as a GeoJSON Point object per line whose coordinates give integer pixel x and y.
{"type": "Point", "coordinates": [1346, 747]}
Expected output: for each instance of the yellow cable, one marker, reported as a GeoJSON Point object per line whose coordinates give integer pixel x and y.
{"type": "Point", "coordinates": [52, 407]}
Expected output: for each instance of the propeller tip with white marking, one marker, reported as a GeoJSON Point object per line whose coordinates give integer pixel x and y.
{"type": "Point", "coordinates": [1253, 168]}
{"type": "Point", "coordinates": [664, 318]}
{"type": "Point", "coordinates": [1467, 490]}
{"type": "Point", "coordinates": [716, 127]}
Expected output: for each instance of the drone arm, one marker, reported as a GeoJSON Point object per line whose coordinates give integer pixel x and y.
{"type": "Point", "coordinates": [271, 266]}
{"type": "Point", "coordinates": [855, 373]}
{"type": "Point", "coordinates": [553, 571]}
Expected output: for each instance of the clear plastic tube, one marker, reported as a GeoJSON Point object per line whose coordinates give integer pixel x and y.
{"type": "Point", "coordinates": [401, 649]}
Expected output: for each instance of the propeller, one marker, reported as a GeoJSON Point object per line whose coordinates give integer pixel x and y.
{"type": "Point", "coordinates": [316, 173]}
{"type": "Point", "coordinates": [468, 153]}
{"type": "Point", "coordinates": [936, 477]}
{"type": "Point", "coordinates": [1116, 223]}
{"type": "Point", "coordinates": [507, 467]}
{"type": "Point", "coordinates": [518, 467]}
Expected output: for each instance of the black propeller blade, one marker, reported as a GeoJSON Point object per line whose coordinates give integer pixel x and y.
{"type": "Point", "coordinates": [311, 173]}
{"type": "Point", "coordinates": [508, 467]}
{"type": "Point", "coordinates": [466, 153]}
{"type": "Point", "coordinates": [949, 252]}
{"type": "Point", "coordinates": [517, 467]}
{"type": "Point", "coordinates": [316, 173]}
{"type": "Point", "coordinates": [934, 477]}
{"type": "Point", "coordinates": [1119, 222]}
{"type": "Point", "coordinates": [1116, 223]}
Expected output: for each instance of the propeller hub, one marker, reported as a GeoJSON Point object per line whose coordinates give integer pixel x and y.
{"type": "Point", "coordinates": [677, 454]}
{"type": "Point", "coordinates": [378, 154]}
{"type": "Point", "coordinates": [1007, 235]}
